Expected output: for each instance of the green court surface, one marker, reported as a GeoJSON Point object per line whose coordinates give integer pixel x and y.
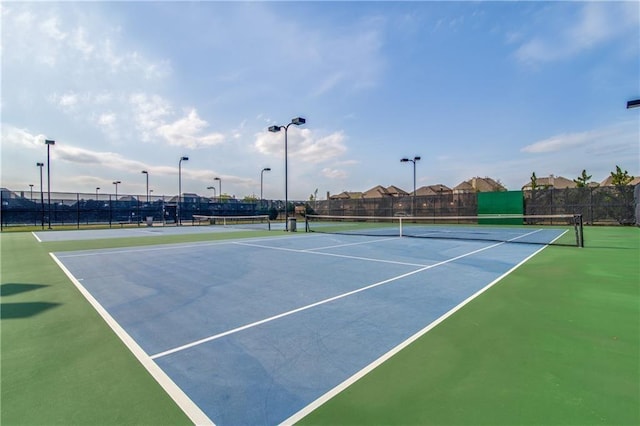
{"type": "Point", "coordinates": [556, 342]}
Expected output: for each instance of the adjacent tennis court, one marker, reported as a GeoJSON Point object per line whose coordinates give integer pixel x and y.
{"type": "Point", "coordinates": [257, 331]}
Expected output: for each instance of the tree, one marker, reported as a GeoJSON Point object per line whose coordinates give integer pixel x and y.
{"type": "Point", "coordinates": [620, 178]}
{"type": "Point", "coordinates": [534, 181]}
{"type": "Point", "coordinates": [582, 180]}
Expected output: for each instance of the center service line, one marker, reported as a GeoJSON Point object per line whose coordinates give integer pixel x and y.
{"type": "Point", "coordinates": [321, 302]}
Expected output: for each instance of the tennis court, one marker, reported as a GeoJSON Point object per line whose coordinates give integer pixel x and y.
{"type": "Point", "coordinates": [258, 331]}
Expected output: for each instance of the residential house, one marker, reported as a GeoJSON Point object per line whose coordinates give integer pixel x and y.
{"type": "Point", "coordinates": [478, 184]}
{"type": "Point", "coordinates": [437, 189]}
{"type": "Point", "coordinates": [557, 182]}
{"type": "Point", "coordinates": [609, 181]}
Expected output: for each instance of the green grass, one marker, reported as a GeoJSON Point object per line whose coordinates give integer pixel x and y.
{"type": "Point", "coordinates": [556, 342]}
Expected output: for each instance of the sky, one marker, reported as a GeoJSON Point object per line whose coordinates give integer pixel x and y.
{"type": "Point", "coordinates": [488, 89]}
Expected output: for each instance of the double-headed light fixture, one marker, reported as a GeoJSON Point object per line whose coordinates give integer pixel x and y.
{"type": "Point", "coordinates": [297, 121]}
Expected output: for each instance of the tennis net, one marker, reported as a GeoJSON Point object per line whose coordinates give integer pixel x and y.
{"type": "Point", "coordinates": [242, 222]}
{"type": "Point", "coordinates": [530, 229]}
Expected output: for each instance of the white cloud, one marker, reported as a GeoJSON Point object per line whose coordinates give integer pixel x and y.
{"type": "Point", "coordinates": [187, 132]}
{"type": "Point", "coordinates": [302, 145]}
{"type": "Point", "coordinates": [562, 142]}
{"type": "Point", "coordinates": [18, 137]}
{"type": "Point", "coordinates": [334, 173]}
{"type": "Point", "coordinates": [596, 23]}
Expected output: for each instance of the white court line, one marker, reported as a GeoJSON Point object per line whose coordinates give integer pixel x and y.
{"type": "Point", "coordinates": [344, 256]}
{"type": "Point", "coordinates": [351, 380]}
{"type": "Point", "coordinates": [181, 399]}
{"type": "Point", "coordinates": [353, 244]}
{"type": "Point", "coordinates": [36, 236]}
{"type": "Point", "coordinates": [312, 305]}
{"type": "Point", "coordinates": [160, 247]}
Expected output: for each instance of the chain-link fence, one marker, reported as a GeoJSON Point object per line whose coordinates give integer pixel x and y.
{"type": "Point", "coordinates": [600, 205]}
{"type": "Point", "coordinates": [64, 209]}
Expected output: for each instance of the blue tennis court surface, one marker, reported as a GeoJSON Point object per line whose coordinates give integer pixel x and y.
{"type": "Point", "coordinates": [252, 331]}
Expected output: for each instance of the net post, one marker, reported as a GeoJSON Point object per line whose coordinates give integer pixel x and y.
{"type": "Point", "coordinates": [400, 231]}
{"type": "Point", "coordinates": [580, 230]}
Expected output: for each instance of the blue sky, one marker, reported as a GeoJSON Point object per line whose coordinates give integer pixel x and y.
{"type": "Point", "coordinates": [498, 89]}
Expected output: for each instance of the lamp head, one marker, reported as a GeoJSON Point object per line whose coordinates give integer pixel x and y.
{"type": "Point", "coordinates": [49, 142]}
{"type": "Point", "coordinates": [216, 178]}
{"type": "Point", "coordinates": [40, 164]}
{"type": "Point", "coordinates": [267, 169]}
{"type": "Point", "coordinates": [274, 129]}
{"type": "Point", "coordinates": [145, 172]}
{"type": "Point", "coordinates": [184, 159]}
{"type": "Point", "coordinates": [298, 121]}
{"type": "Point", "coordinates": [404, 160]}
{"type": "Point", "coordinates": [416, 158]}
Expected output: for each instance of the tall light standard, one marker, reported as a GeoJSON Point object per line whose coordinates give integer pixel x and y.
{"type": "Point", "coordinates": [49, 142]}
{"type": "Point", "coordinates": [219, 187]}
{"type": "Point", "coordinates": [97, 189]}
{"type": "Point", "coordinates": [214, 191]}
{"type": "Point", "coordinates": [147, 174]}
{"type": "Point", "coordinates": [413, 201]}
{"type": "Point", "coordinates": [266, 169]}
{"type": "Point", "coordinates": [41, 165]}
{"type": "Point", "coordinates": [30, 192]}
{"type": "Point", "coordinates": [297, 121]}
{"type": "Point", "coordinates": [180, 187]}
{"type": "Point", "coordinates": [116, 183]}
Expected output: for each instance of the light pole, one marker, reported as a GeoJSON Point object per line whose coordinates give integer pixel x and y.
{"type": "Point", "coordinates": [116, 183]}
{"type": "Point", "coordinates": [413, 201]}
{"type": "Point", "coordinates": [30, 192]}
{"type": "Point", "coordinates": [147, 174]}
{"type": "Point", "coordinates": [297, 121]}
{"type": "Point", "coordinates": [180, 187]}
{"type": "Point", "coordinates": [49, 142]}
{"type": "Point", "coordinates": [41, 165]}
{"type": "Point", "coordinates": [219, 187]}
{"type": "Point", "coordinates": [214, 191]}
{"type": "Point", "coordinates": [266, 169]}
{"type": "Point", "coordinates": [97, 189]}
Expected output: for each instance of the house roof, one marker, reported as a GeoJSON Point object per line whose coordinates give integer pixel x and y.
{"type": "Point", "coordinates": [609, 181]}
{"type": "Point", "coordinates": [432, 189]}
{"type": "Point", "coordinates": [396, 192]}
{"type": "Point", "coordinates": [557, 182]}
{"type": "Point", "coordinates": [346, 195]}
{"type": "Point", "coordinates": [478, 184]}
{"type": "Point", "coordinates": [377, 191]}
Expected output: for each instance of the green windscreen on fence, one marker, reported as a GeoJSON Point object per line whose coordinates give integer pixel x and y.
{"type": "Point", "coordinates": [505, 202]}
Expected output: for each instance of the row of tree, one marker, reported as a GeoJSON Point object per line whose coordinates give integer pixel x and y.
{"type": "Point", "coordinates": [618, 178]}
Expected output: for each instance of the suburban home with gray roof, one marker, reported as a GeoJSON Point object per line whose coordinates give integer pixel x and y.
{"type": "Point", "coordinates": [557, 182]}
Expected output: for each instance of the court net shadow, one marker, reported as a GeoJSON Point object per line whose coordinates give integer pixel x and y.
{"type": "Point", "coordinates": [11, 289]}
{"type": "Point", "coordinates": [24, 310]}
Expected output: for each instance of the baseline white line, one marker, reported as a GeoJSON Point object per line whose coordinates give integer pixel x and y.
{"type": "Point", "coordinates": [36, 236]}
{"type": "Point", "coordinates": [312, 305]}
{"type": "Point", "coordinates": [351, 380]}
{"type": "Point", "coordinates": [181, 399]}
{"type": "Point", "coordinates": [310, 251]}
